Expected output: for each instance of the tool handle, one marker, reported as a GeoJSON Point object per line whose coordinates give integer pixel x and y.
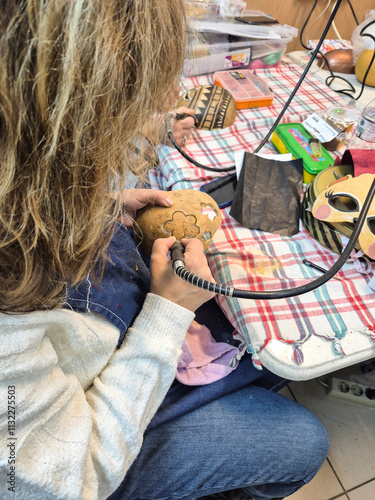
{"type": "Point", "coordinates": [177, 254]}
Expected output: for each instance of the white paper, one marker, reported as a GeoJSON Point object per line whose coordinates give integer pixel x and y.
{"type": "Point", "coordinates": [319, 128]}
{"type": "Point", "coordinates": [239, 156]}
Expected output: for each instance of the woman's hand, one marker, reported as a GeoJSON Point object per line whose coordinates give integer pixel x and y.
{"type": "Point", "coordinates": [135, 199]}
{"type": "Point", "coordinates": [182, 129]}
{"type": "Point", "coordinates": [164, 281]}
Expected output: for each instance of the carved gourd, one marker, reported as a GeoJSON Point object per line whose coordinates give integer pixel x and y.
{"type": "Point", "coordinates": [194, 214]}
{"type": "Point", "coordinates": [215, 107]}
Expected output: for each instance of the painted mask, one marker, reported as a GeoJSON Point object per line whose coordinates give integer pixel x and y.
{"type": "Point", "coordinates": [342, 202]}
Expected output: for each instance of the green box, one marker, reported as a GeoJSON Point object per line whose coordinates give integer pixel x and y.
{"type": "Point", "coordinates": [294, 138]}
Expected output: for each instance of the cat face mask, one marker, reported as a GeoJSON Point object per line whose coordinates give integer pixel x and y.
{"type": "Point", "coordinates": [342, 202]}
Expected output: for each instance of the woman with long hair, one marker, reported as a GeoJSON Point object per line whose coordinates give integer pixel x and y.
{"type": "Point", "coordinates": [83, 376]}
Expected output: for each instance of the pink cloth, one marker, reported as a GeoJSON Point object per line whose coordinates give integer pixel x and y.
{"type": "Point", "coordinates": [363, 160]}
{"type": "Point", "coordinates": [204, 360]}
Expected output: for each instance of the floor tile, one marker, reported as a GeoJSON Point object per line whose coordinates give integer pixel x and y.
{"type": "Point", "coordinates": [323, 487]}
{"type": "Point", "coordinates": [365, 492]}
{"type": "Point", "coordinates": [351, 429]}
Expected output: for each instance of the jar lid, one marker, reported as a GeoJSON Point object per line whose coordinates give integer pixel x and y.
{"type": "Point", "coordinates": [342, 115]}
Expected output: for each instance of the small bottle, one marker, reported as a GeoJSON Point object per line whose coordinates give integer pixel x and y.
{"type": "Point", "coordinates": [364, 134]}
{"type": "Point", "coordinates": [316, 148]}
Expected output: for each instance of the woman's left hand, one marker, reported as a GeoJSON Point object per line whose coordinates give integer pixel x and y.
{"type": "Point", "coordinates": [135, 199]}
{"type": "Point", "coordinates": [182, 129]}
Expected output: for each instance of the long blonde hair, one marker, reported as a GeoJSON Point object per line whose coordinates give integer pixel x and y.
{"type": "Point", "coordinates": [78, 81]}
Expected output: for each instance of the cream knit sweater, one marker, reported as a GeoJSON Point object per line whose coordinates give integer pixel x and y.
{"type": "Point", "coordinates": [81, 406]}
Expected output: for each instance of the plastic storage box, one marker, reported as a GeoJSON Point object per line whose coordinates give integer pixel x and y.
{"type": "Point", "coordinates": [248, 90]}
{"type": "Point", "coordinates": [235, 53]}
{"type": "Point", "coordinates": [294, 138]}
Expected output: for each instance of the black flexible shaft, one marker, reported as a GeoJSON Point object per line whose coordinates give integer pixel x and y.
{"type": "Point", "coordinates": [278, 119]}
{"type": "Point", "coordinates": [229, 291]}
{"type": "Point", "coordinates": [302, 77]}
{"type": "Point", "coordinates": [329, 81]}
{"type": "Point", "coordinates": [305, 24]}
{"type": "Point", "coordinates": [351, 7]}
{"type": "Point", "coordinates": [168, 127]}
{"type": "Point", "coordinates": [332, 77]}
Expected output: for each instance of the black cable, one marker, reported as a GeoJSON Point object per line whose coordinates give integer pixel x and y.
{"type": "Point", "coordinates": [329, 79]}
{"type": "Point", "coordinates": [278, 119]}
{"type": "Point", "coordinates": [229, 291]}
{"type": "Point", "coordinates": [332, 76]}
{"type": "Point", "coordinates": [302, 77]}
{"type": "Point", "coordinates": [168, 127]}
{"type": "Point", "coordinates": [304, 26]}
{"type": "Point", "coordinates": [351, 7]}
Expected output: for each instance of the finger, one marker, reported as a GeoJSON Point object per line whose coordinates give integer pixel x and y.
{"type": "Point", "coordinates": [161, 198]}
{"type": "Point", "coordinates": [195, 258]}
{"type": "Point", "coordinates": [187, 123]}
{"type": "Point", "coordinates": [153, 196]}
{"type": "Point", "coordinates": [183, 109]}
{"type": "Point", "coordinates": [126, 219]}
{"type": "Point", "coordinates": [193, 245]}
{"type": "Point", "coordinates": [162, 246]}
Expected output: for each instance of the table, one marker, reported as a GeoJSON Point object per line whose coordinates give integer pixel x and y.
{"type": "Point", "coordinates": [302, 58]}
{"type": "Point", "coordinates": [298, 338]}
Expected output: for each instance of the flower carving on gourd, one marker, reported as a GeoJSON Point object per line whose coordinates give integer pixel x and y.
{"type": "Point", "coordinates": [182, 226]}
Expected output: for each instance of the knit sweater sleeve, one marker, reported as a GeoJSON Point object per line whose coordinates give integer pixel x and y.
{"type": "Point", "coordinates": [73, 443]}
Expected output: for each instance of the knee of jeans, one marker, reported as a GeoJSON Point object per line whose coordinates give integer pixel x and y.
{"type": "Point", "coordinates": [315, 442]}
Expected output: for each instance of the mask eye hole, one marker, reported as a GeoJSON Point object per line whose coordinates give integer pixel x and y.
{"type": "Point", "coordinates": [188, 96]}
{"type": "Point", "coordinates": [343, 202]}
{"type": "Point", "coordinates": [371, 224]}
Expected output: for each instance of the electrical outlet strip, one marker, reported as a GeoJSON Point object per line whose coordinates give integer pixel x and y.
{"type": "Point", "coordinates": [351, 391]}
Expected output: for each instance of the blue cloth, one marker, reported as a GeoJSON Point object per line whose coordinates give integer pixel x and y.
{"type": "Point", "coordinates": [120, 295]}
{"type": "Point", "coordinates": [236, 432]}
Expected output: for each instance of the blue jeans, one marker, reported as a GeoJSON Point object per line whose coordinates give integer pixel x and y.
{"type": "Point", "coordinates": [251, 438]}
{"type": "Point", "coordinates": [234, 433]}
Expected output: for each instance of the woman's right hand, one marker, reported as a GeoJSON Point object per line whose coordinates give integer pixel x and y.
{"type": "Point", "coordinates": [164, 281]}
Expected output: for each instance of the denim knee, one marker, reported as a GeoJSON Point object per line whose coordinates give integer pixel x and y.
{"type": "Point", "coordinates": [310, 445]}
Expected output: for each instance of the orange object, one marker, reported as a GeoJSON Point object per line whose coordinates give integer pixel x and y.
{"type": "Point", "coordinates": [248, 90]}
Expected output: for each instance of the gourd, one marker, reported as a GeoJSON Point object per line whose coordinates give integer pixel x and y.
{"type": "Point", "coordinates": [361, 66]}
{"type": "Point", "coordinates": [194, 214]}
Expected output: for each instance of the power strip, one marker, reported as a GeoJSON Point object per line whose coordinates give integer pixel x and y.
{"type": "Point", "coordinates": [351, 391]}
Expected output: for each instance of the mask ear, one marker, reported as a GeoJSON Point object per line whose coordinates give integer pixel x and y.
{"type": "Point", "coordinates": [215, 107]}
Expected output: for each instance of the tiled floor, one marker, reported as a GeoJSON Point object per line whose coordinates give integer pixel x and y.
{"type": "Point", "coordinates": [349, 471]}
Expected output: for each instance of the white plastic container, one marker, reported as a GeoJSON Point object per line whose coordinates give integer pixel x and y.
{"type": "Point", "coordinates": [243, 54]}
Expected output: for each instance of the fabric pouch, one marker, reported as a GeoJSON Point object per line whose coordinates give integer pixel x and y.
{"type": "Point", "coordinates": [268, 195]}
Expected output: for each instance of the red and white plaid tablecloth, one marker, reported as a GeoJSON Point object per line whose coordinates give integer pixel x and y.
{"type": "Point", "coordinates": [300, 337]}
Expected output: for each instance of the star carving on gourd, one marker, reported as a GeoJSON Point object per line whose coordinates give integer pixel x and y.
{"type": "Point", "coordinates": [182, 225]}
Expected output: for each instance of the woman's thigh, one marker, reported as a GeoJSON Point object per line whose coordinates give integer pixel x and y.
{"type": "Point", "coordinates": [250, 437]}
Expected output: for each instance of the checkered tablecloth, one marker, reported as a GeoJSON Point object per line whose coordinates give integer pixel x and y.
{"type": "Point", "coordinates": [300, 337]}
